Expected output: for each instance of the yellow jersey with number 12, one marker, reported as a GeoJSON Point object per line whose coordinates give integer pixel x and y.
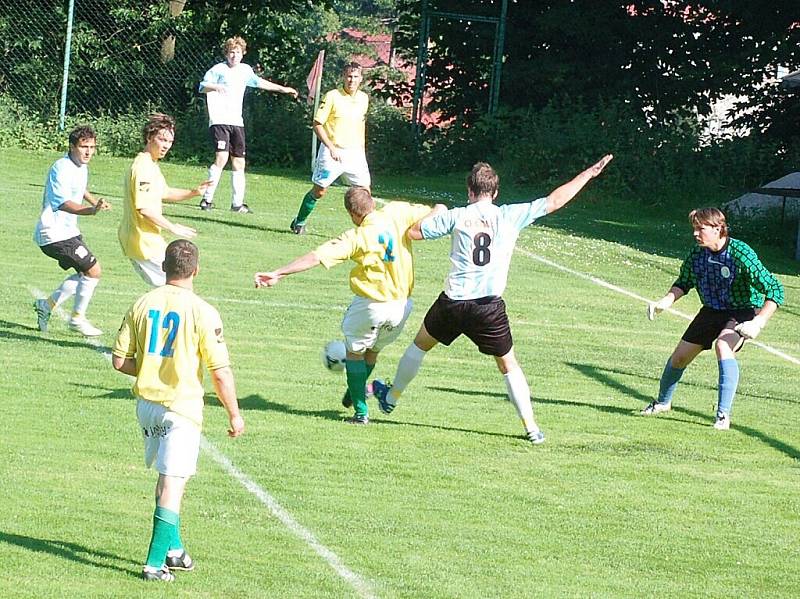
{"type": "Point", "coordinates": [174, 335]}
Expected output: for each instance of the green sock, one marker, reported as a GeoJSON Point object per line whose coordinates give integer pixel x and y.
{"type": "Point", "coordinates": [306, 207]}
{"type": "Point", "coordinates": [370, 368]}
{"type": "Point", "coordinates": [356, 381]}
{"type": "Point", "coordinates": [164, 524]}
{"type": "Point", "coordinates": [176, 543]}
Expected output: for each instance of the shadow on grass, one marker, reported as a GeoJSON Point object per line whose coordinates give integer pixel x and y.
{"type": "Point", "coordinates": [39, 337]}
{"type": "Point", "coordinates": [256, 402]}
{"type": "Point", "coordinates": [246, 225]}
{"type": "Point", "coordinates": [602, 375]}
{"type": "Point", "coordinates": [70, 551]}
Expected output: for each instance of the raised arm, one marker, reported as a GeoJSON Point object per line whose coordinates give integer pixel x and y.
{"type": "Point", "coordinates": [562, 195]}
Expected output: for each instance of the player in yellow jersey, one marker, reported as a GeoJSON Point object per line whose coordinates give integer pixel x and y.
{"type": "Point", "coordinates": [166, 338]}
{"type": "Point", "coordinates": [340, 125]}
{"type": "Point", "coordinates": [145, 188]}
{"type": "Point", "coordinates": [382, 281]}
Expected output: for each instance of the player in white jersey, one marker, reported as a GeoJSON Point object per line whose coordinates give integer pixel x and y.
{"type": "Point", "coordinates": [58, 236]}
{"type": "Point", "coordinates": [483, 239]}
{"type": "Point", "coordinates": [224, 85]}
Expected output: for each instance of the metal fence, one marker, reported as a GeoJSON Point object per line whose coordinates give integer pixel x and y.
{"type": "Point", "coordinates": [70, 57]}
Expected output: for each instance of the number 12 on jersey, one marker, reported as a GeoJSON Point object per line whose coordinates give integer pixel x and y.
{"type": "Point", "coordinates": [170, 322]}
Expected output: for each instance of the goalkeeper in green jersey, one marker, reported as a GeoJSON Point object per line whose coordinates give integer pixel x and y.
{"type": "Point", "coordinates": [739, 297]}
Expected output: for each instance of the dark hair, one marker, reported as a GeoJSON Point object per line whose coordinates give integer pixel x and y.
{"type": "Point", "coordinates": [155, 123]}
{"type": "Point", "coordinates": [358, 201]}
{"type": "Point", "coordinates": [180, 259]}
{"type": "Point", "coordinates": [483, 180]}
{"type": "Point", "coordinates": [351, 66]}
{"type": "Point", "coordinates": [81, 132]}
{"type": "Point", "coordinates": [712, 217]}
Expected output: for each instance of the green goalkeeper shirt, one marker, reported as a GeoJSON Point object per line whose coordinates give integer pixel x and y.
{"type": "Point", "coordinates": [730, 279]}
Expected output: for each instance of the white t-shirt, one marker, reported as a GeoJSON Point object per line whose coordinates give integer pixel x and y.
{"type": "Point", "coordinates": [65, 181]}
{"type": "Point", "coordinates": [226, 108]}
{"type": "Point", "coordinates": [484, 236]}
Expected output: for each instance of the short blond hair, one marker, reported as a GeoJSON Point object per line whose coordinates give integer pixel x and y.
{"type": "Point", "coordinates": [712, 217]}
{"type": "Point", "coordinates": [358, 201]}
{"type": "Point", "coordinates": [234, 42]}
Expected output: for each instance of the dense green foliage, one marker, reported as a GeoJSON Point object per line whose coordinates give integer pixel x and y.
{"type": "Point", "coordinates": [579, 79]}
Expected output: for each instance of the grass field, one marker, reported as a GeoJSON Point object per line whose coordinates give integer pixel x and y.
{"type": "Point", "coordinates": [443, 498]}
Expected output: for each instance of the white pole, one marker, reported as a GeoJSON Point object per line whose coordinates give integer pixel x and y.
{"type": "Point", "coordinates": [65, 80]}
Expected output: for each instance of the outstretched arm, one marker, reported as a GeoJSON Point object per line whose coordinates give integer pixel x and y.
{"type": "Point", "coordinates": [274, 87]}
{"type": "Point", "coordinates": [562, 195]}
{"type": "Point", "coordinates": [414, 232]}
{"type": "Point", "coordinates": [176, 194]}
{"type": "Point", "coordinates": [158, 219]}
{"type": "Point", "coordinates": [656, 308]}
{"type": "Point", "coordinates": [268, 279]}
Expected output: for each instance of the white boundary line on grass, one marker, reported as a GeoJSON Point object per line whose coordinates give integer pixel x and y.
{"type": "Point", "coordinates": [635, 296]}
{"type": "Point", "coordinates": [300, 531]}
{"type": "Point", "coordinates": [354, 580]}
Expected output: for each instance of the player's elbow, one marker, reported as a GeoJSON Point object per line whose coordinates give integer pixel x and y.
{"type": "Point", "coordinates": [118, 363]}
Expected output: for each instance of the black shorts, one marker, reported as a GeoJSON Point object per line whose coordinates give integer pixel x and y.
{"type": "Point", "coordinates": [709, 323]}
{"type": "Point", "coordinates": [71, 253]}
{"type": "Point", "coordinates": [483, 321]}
{"type": "Point", "coordinates": [228, 138]}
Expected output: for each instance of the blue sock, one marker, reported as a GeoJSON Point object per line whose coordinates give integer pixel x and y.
{"type": "Point", "coordinates": [728, 381]}
{"type": "Point", "coordinates": [669, 381]}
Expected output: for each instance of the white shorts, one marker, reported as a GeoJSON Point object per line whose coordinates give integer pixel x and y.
{"type": "Point", "coordinates": [368, 324]}
{"type": "Point", "coordinates": [151, 271]}
{"type": "Point", "coordinates": [171, 441]}
{"type": "Point", "coordinates": [352, 166]}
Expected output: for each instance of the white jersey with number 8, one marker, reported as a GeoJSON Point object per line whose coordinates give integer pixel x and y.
{"type": "Point", "coordinates": [484, 236]}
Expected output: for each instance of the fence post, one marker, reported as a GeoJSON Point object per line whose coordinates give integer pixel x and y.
{"type": "Point", "coordinates": [67, 47]}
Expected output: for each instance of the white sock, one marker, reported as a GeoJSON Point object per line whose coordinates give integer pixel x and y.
{"type": "Point", "coordinates": [520, 395]}
{"type": "Point", "coordinates": [238, 183]}
{"type": "Point", "coordinates": [83, 294]}
{"type": "Point", "coordinates": [214, 173]}
{"type": "Point", "coordinates": [407, 369]}
{"type": "Point", "coordinates": [65, 291]}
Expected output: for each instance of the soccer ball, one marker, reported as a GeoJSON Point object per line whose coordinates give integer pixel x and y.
{"type": "Point", "coordinates": [333, 355]}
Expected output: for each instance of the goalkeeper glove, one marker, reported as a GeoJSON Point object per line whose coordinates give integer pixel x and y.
{"type": "Point", "coordinates": [656, 308]}
{"type": "Point", "coordinates": [750, 328]}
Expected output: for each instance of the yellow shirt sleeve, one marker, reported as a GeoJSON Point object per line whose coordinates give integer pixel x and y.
{"type": "Point", "coordinates": [324, 109]}
{"type": "Point", "coordinates": [147, 186]}
{"type": "Point", "coordinates": [125, 343]}
{"type": "Point", "coordinates": [338, 250]}
{"type": "Point", "coordinates": [212, 347]}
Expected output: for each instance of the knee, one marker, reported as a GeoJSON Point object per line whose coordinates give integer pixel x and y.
{"type": "Point", "coordinates": [94, 272]}
{"type": "Point", "coordinates": [318, 192]}
{"type": "Point", "coordinates": [678, 361]}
